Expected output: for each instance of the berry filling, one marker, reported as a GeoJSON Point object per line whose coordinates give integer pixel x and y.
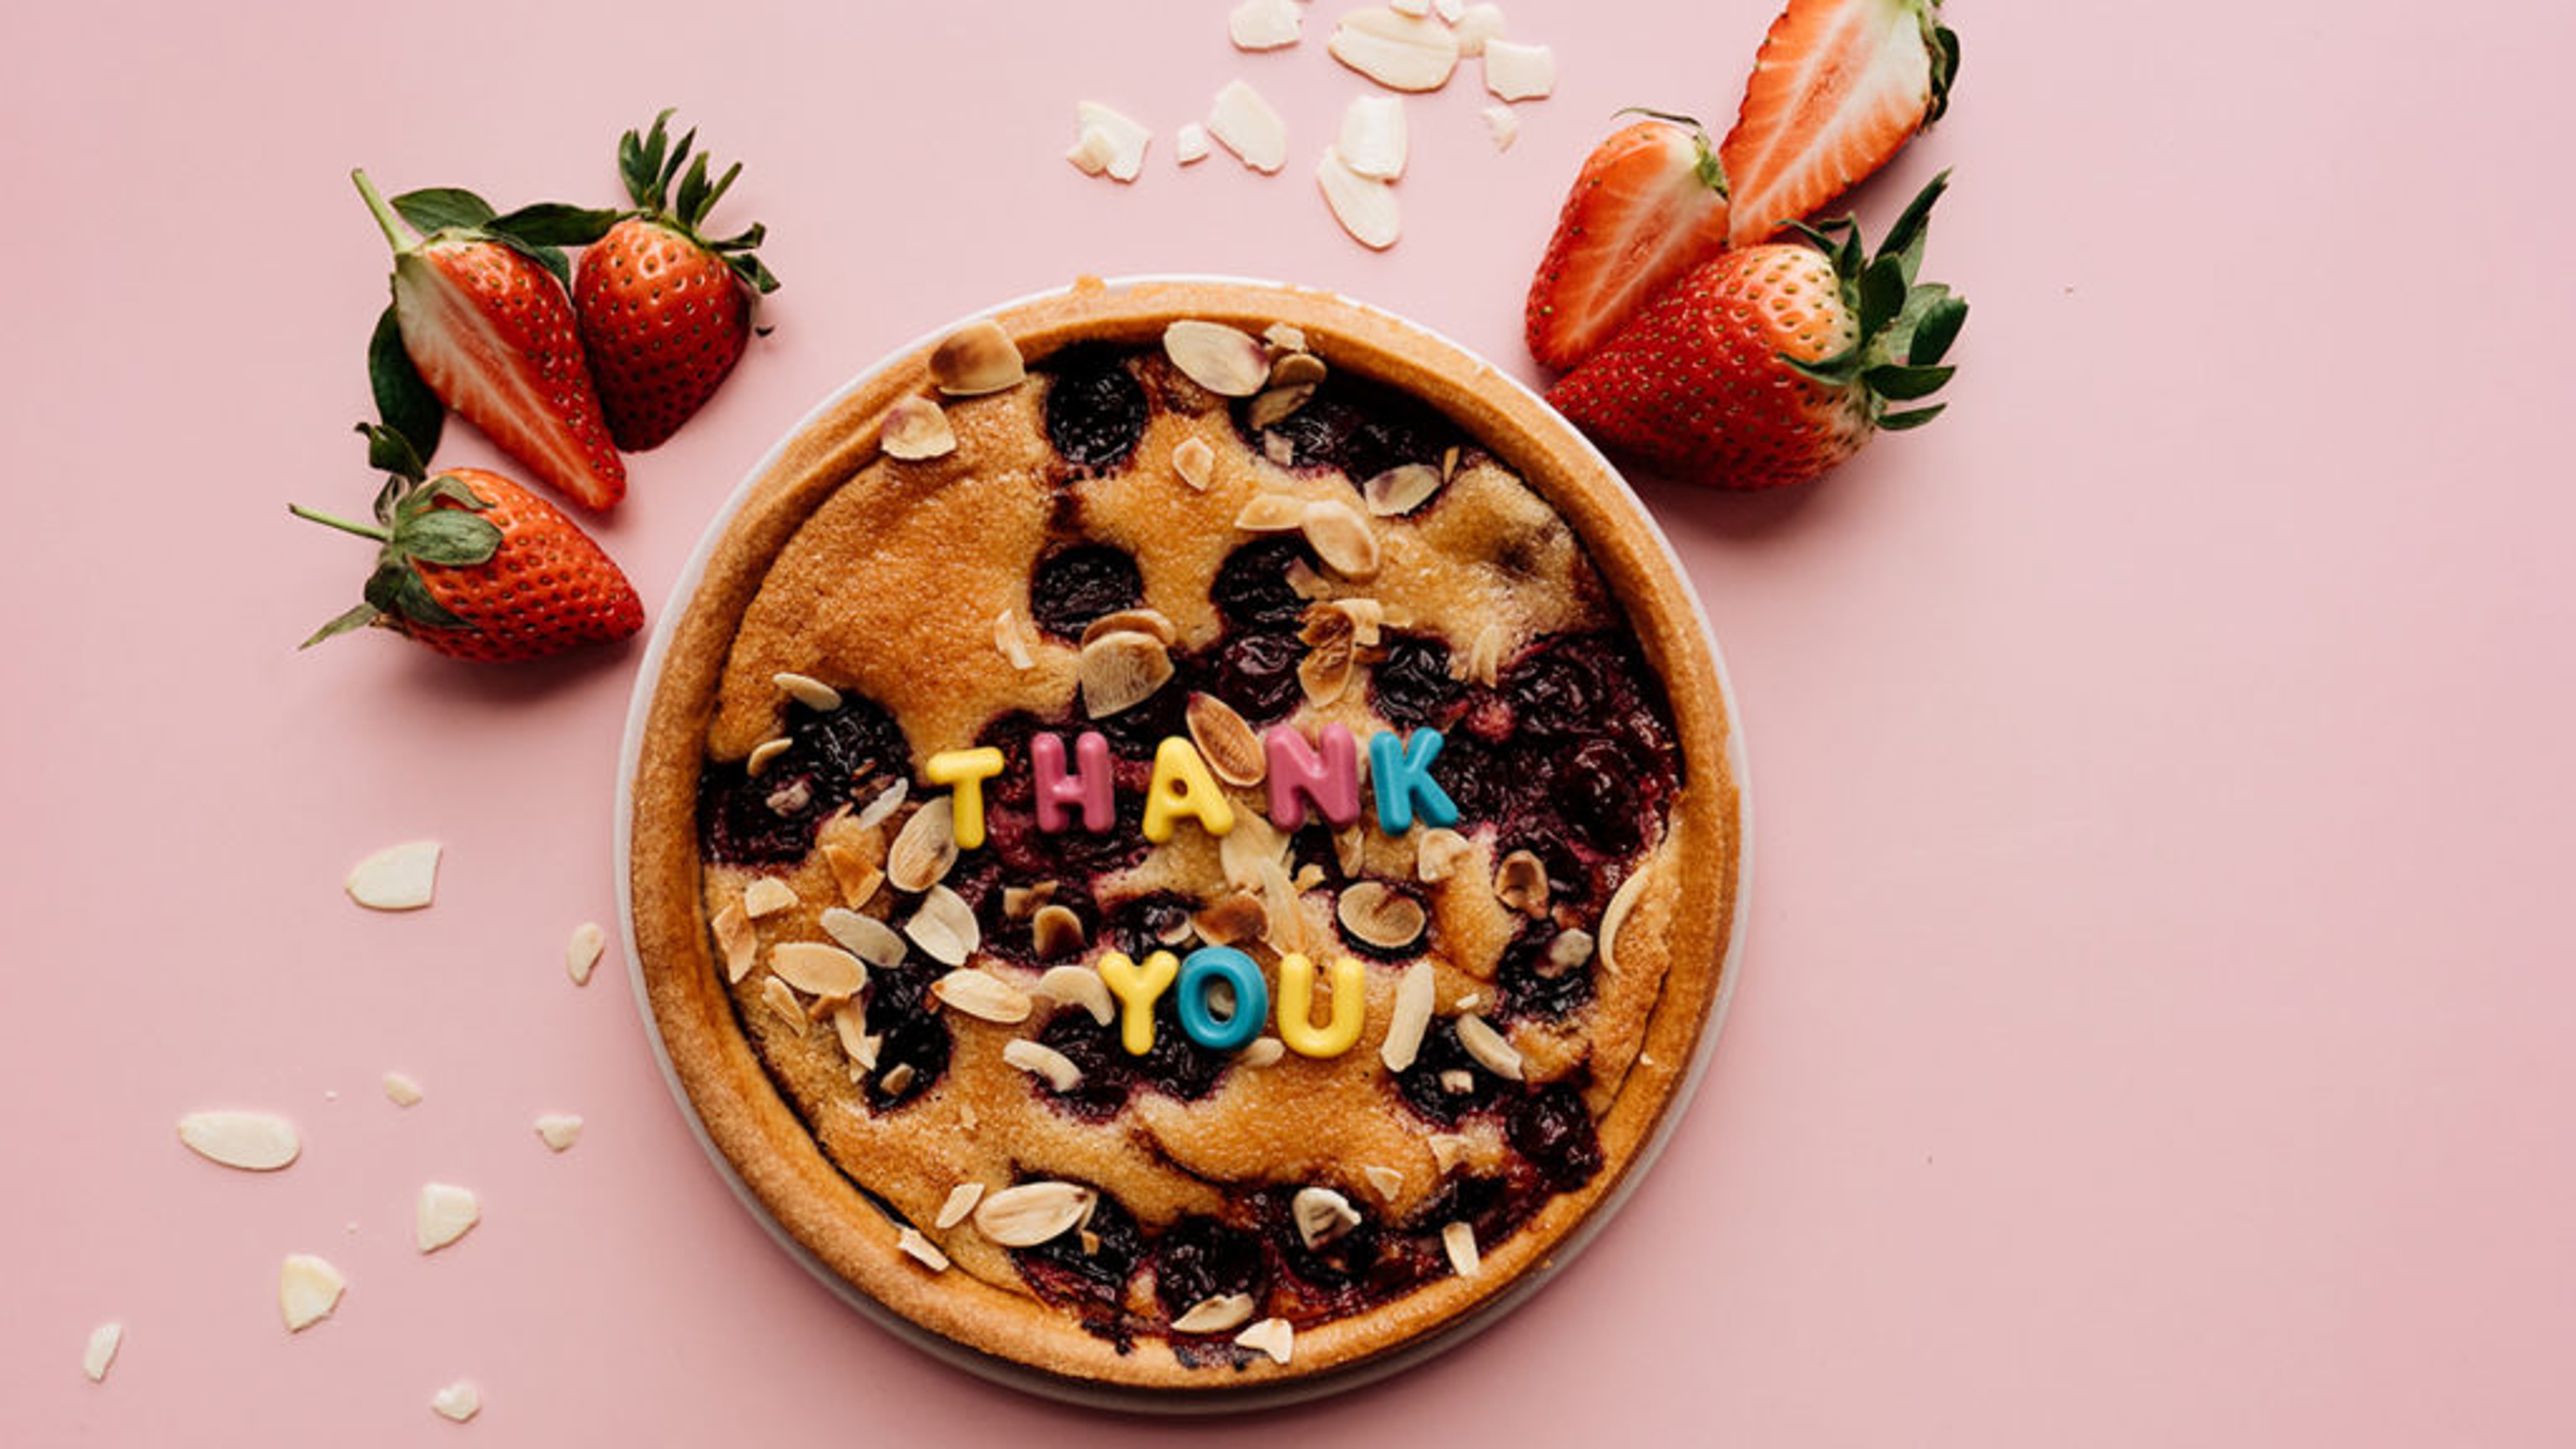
{"type": "Point", "coordinates": [899, 1011]}
{"type": "Point", "coordinates": [1095, 410]}
{"type": "Point", "coordinates": [1073, 586]}
{"type": "Point", "coordinates": [1251, 587]}
{"type": "Point", "coordinates": [1411, 687]}
{"type": "Point", "coordinates": [1197, 1259]}
{"type": "Point", "coordinates": [1355, 427]}
{"type": "Point", "coordinates": [1093, 1262]}
{"type": "Point", "coordinates": [830, 758]}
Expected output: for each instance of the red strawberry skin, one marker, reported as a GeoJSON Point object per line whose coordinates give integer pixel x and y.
{"type": "Point", "coordinates": [1649, 204]}
{"type": "Point", "coordinates": [1695, 388]}
{"type": "Point", "coordinates": [547, 588]}
{"type": "Point", "coordinates": [663, 321]}
{"type": "Point", "coordinates": [1839, 87]}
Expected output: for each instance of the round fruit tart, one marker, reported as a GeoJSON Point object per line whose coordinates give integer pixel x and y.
{"type": "Point", "coordinates": [1185, 839]}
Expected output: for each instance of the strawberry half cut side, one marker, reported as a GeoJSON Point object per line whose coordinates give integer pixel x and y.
{"type": "Point", "coordinates": [1649, 204]}
{"type": "Point", "coordinates": [1839, 87]}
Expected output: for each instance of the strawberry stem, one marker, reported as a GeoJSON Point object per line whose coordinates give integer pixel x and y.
{"type": "Point", "coordinates": [345, 526]}
{"type": "Point", "coordinates": [402, 234]}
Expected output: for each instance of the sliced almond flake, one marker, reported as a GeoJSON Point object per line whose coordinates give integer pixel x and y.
{"type": "Point", "coordinates": [1090, 153]}
{"type": "Point", "coordinates": [1040, 1060]}
{"type": "Point", "coordinates": [1439, 854]}
{"type": "Point", "coordinates": [1485, 655]}
{"type": "Point", "coordinates": [1135, 621]}
{"type": "Point", "coordinates": [1286, 931]}
{"type": "Point", "coordinates": [308, 1288]}
{"type": "Point", "coordinates": [444, 1213]}
{"type": "Point", "coordinates": [1265, 1051]}
{"type": "Point", "coordinates": [1279, 449]}
{"type": "Point", "coordinates": [1303, 581]}
{"type": "Point", "coordinates": [1416, 993]}
{"type": "Point", "coordinates": [559, 1130]}
{"type": "Point", "coordinates": [1457, 1081]}
{"type": "Point", "coordinates": [1128, 138]}
{"type": "Point", "coordinates": [767, 896]}
{"type": "Point", "coordinates": [1054, 932]}
{"type": "Point", "coordinates": [1216, 1315]}
{"type": "Point", "coordinates": [817, 969]}
{"type": "Point", "coordinates": [1448, 1149]}
{"type": "Point", "coordinates": [1079, 986]}
{"type": "Point", "coordinates": [1020, 902]}
{"type": "Point", "coordinates": [792, 797]}
{"type": "Point", "coordinates": [1372, 139]}
{"type": "Point", "coordinates": [782, 999]}
{"type": "Point", "coordinates": [1520, 883]}
{"type": "Point", "coordinates": [457, 1402]}
{"type": "Point", "coordinates": [977, 358]}
{"type": "Point", "coordinates": [757, 762]}
{"type": "Point", "coordinates": [1400, 52]}
{"type": "Point", "coordinates": [1341, 538]}
{"type": "Point", "coordinates": [1297, 369]}
{"type": "Point", "coordinates": [925, 848]}
{"type": "Point", "coordinates": [850, 1024]}
{"type": "Point", "coordinates": [1382, 916]}
{"type": "Point", "coordinates": [1233, 752]}
{"type": "Point", "coordinates": [1243, 850]}
{"type": "Point", "coordinates": [1273, 1336]}
{"type": "Point", "coordinates": [251, 1141]}
{"type": "Point", "coordinates": [104, 1341]}
{"type": "Point", "coordinates": [1364, 205]}
{"type": "Point", "coordinates": [1449, 10]}
{"type": "Point", "coordinates": [1386, 1182]}
{"type": "Point", "coordinates": [1225, 360]}
{"type": "Point", "coordinates": [916, 429]}
{"type": "Point", "coordinates": [401, 1090]}
{"type": "Point", "coordinates": [740, 943]}
{"type": "Point", "coordinates": [1120, 670]}
{"type": "Point", "coordinates": [1518, 72]}
{"type": "Point", "coordinates": [1275, 405]}
{"type": "Point", "coordinates": [1504, 125]}
{"type": "Point", "coordinates": [582, 952]}
{"type": "Point", "coordinates": [961, 1201]}
{"type": "Point", "coordinates": [921, 1250]}
{"type": "Point", "coordinates": [944, 926]}
{"type": "Point", "coordinates": [1400, 490]}
{"type": "Point", "coordinates": [1008, 638]}
{"type": "Point", "coordinates": [1190, 144]}
{"type": "Point", "coordinates": [1195, 462]}
{"type": "Point", "coordinates": [1460, 1241]}
{"type": "Point", "coordinates": [1325, 674]}
{"type": "Point", "coordinates": [1622, 901]}
{"type": "Point", "coordinates": [1472, 1001]}
{"type": "Point", "coordinates": [1030, 1213]}
{"type": "Point", "coordinates": [1285, 336]}
{"type": "Point", "coordinates": [1271, 513]}
{"type": "Point", "coordinates": [397, 878]}
{"type": "Point", "coordinates": [888, 800]}
{"type": "Point", "coordinates": [982, 995]}
{"type": "Point", "coordinates": [1264, 24]}
{"type": "Point", "coordinates": [1231, 918]}
{"type": "Point", "coordinates": [1570, 949]}
{"type": "Point", "coordinates": [808, 691]}
{"type": "Point", "coordinates": [896, 1080]}
{"type": "Point", "coordinates": [1489, 1049]}
{"type": "Point", "coordinates": [1409, 7]}
{"type": "Point", "coordinates": [1309, 876]}
{"type": "Point", "coordinates": [1321, 1215]}
{"type": "Point", "coordinates": [1247, 125]}
{"type": "Point", "coordinates": [1475, 26]}
{"type": "Point", "coordinates": [866, 937]}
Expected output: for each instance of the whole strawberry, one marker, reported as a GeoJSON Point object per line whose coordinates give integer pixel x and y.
{"type": "Point", "coordinates": [477, 567]}
{"type": "Point", "coordinates": [491, 332]}
{"type": "Point", "coordinates": [665, 312]}
{"type": "Point", "coordinates": [1769, 365]}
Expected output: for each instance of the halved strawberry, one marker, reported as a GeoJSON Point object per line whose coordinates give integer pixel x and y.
{"type": "Point", "coordinates": [1649, 205]}
{"type": "Point", "coordinates": [1840, 87]}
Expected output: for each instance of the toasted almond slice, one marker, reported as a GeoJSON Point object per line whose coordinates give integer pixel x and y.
{"type": "Point", "coordinates": [1286, 928]}
{"type": "Point", "coordinates": [1321, 1215]}
{"type": "Point", "coordinates": [1134, 621]}
{"type": "Point", "coordinates": [783, 1002]}
{"type": "Point", "coordinates": [1008, 638]}
{"type": "Point", "coordinates": [1233, 752]}
{"type": "Point", "coordinates": [1264, 24]}
{"type": "Point", "coordinates": [916, 429]}
{"type": "Point", "coordinates": [1477, 25]}
{"type": "Point", "coordinates": [559, 1130]}
{"type": "Point", "coordinates": [888, 800]}
{"type": "Point", "coordinates": [1341, 538]}
{"type": "Point", "coordinates": [1079, 986]}
{"type": "Point", "coordinates": [1400, 490]}
{"type": "Point", "coordinates": [1309, 876]}
{"type": "Point", "coordinates": [791, 797]}
{"type": "Point", "coordinates": [1364, 205]}
{"type": "Point", "coordinates": [767, 896]}
{"type": "Point", "coordinates": [1416, 993]}
{"type": "Point", "coordinates": [1225, 360]}
{"type": "Point", "coordinates": [739, 942]}
{"type": "Point", "coordinates": [401, 1090]}
{"type": "Point", "coordinates": [1031, 1213]}
{"type": "Point", "coordinates": [1457, 1081]}
{"type": "Point", "coordinates": [1518, 72]}
{"type": "Point", "coordinates": [1489, 1049]}
{"type": "Point", "coordinates": [897, 1080]}
{"type": "Point", "coordinates": [869, 939]}
{"type": "Point", "coordinates": [1520, 883]}
{"type": "Point", "coordinates": [1120, 670]}
{"type": "Point", "coordinates": [1381, 915]}
{"type": "Point", "coordinates": [1219, 1314]}
{"type": "Point", "coordinates": [1273, 406]}
{"type": "Point", "coordinates": [1279, 449]}
{"type": "Point", "coordinates": [1020, 902]}
{"type": "Point", "coordinates": [944, 927]}
{"type": "Point", "coordinates": [1285, 336]}
{"type": "Point", "coordinates": [1055, 931]}
{"type": "Point", "coordinates": [1128, 139]}
{"type": "Point", "coordinates": [1350, 849]}
{"type": "Point", "coordinates": [808, 691]}
{"type": "Point", "coordinates": [961, 1201]}
{"type": "Point", "coordinates": [1448, 1149]}
{"type": "Point", "coordinates": [1570, 949]}
{"type": "Point", "coordinates": [444, 1213]}
{"type": "Point", "coordinates": [1484, 661]}
{"type": "Point", "coordinates": [1272, 513]}
{"type": "Point", "coordinates": [1325, 674]}
{"type": "Point", "coordinates": [1273, 1336]}
{"type": "Point", "coordinates": [1504, 125]}
{"type": "Point", "coordinates": [1439, 854]}
{"type": "Point", "coordinates": [1459, 1239]}
{"type": "Point", "coordinates": [1296, 369]}
{"type": "Point", "coordinates": [1409, 7]}
{"type": "Point", "coordinates": [925, 849]}
{"type": "Point", "coordinates": [1190, 144]}
{"type": "Point", "coordinates": [1230, 919]}
{"type": "Point", "coordinates": [582, 952]}
{"type": "Point", "coordinates": [1265, 1051]}
{"type": "Point", "coordinates": [977, 358]}
{"type": "Point", "coordinates": [1247, 125]}
{"type": "Point", "coordinates": [817, 969]}
{"type": "Point", "coordinates": [397, 878]}
{"type": "Point", "coordinates": [1386, 1182]}
{"type": "Point", "coordinates": [1372, 139]}
{"type": "Point", "coordinates": [850, 1024]}
{"type": "Point", "coordinates": [105, 1339]}
{"type": "Point", "coordinates": [250, 1141]}
{"type": "Point", "coordinates": [1243, 850]}
{"type": "Point", "coordinates": [1472, 1001]}
{"type": "Point", "coordinates": [921, 1250]}
{"type": "Point", "coordinates": [1400, 52]}
{"type": "Point", "coordinates": [1091, 152]}
{"type": "Point", "coordinates": [982, 995]}
{"type": "Point", "coordinates": [757, 762]}
{"type": "Point", "coordinates": [1622, 901]}
{"type": "Point", "coordinates": [1040, 1060]}
{"type": "Point", "coordinates": [1195, 462]}
{"type": "Point", "coordinates": [457, 1402]}
{"type": "Point", "coordinates": [308, 1288]}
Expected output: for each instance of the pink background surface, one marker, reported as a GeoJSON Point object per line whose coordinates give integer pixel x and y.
{"type": "Point", "coordinates": [2158, 1013]}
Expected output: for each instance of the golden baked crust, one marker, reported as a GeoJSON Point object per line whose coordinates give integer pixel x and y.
{"type": "Point", "coordinates": [885, 580]}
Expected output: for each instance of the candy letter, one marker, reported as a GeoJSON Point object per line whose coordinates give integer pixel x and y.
{"type": "Point", "coordinates": [1207, 966]}
{"type": "Point", "coordinates": [964, 773]}
{"type": "Point", "coordinates": [1182, 786]}
{"type": "Point", "coordinates": [1137, 986]}
{"type": "Point", "coordinates": [1298, 774]}
{"type": "Point", "coordinates": [1088, 789]}
{"type": "Point", "coordinates": [1401, 777]}
{"type": "Point", "coordinates": [1297, 1006]}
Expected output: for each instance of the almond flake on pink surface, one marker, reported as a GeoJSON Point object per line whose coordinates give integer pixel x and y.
{"type": "Point", "coordinates": [1372, 139]}
{"type": "Point", "coordinates": [1365, 206]}
{"type": "Point", "coordinates": [1273, 1336]}
{"type": "Point", "coordinates": [308, 1289]}
{"type": "Point", "coordinates": [1504, 125]}
{"type": "Point", "coordinates": [250, 1141]}
{"type": "Point", "coordinates": [961, 1201]}
{"type": "Point", "coordinates": [1247, 125]}
{"type": "Point", "coordinates": [100, 1352]}
{"type": "Point", "coordinates": [1128, 138]}
{"type": "Point", "coordinates": [401, 1090]}
{"type": "Point", "coordinates": [559, 1130]}
{"type": "Point", "coordinates": [397, 878]}
{"type": "Point", "coordinates": [582, 953]}
{"type": "Point", "coordinates": [1400, 52]}
{"type": "Point", "coordinates": [1410, 7]}
{"type": "Point", "coordinates": [1519, 72]}
{"type": "Point", "coordinates": [444, 1213]}
{"type": "Point", "coordinates": [1451, 11]}
{"type": "Point", "coordinates": [921, 1250]}
{"type": "Point", "coordinates": [457, 1402]}
{"type": "Point", "coordinates": [1475, 26]}
{"type": "Point", "coordinates": [1265, 24]}
{"type": "Point", "coordinates": [1190, 144]}
{"type": "Point", "coordinates": [1090, 155]}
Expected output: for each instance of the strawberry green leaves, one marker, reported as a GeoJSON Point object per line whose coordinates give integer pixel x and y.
{"type": "Point", "coordinates": [649, 164]}
{"type": "Point", "coordinates": [405, 402]}
{"type": "Point", "coordinates": [412, 528]}
{"type": "Point", "coordinates": [1906, 327]}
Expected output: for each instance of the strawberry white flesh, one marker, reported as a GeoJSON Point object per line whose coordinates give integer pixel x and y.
{"type": "Point", "coordinates": [1649, 205]}
{"type": "Point", "coordinates": [1840, 86]}
{"type": "Point", "coordinates": [484, 375]}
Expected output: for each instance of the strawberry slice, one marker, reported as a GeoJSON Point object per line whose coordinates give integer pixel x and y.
{"type": "Point", "coordinates": [1649, 204]}
{"type": "Point", "coordinates": [1840, 87]}
{"type": "Point", "coordinates": [492, 333]}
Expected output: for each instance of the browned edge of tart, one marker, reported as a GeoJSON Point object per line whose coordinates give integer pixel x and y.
{"type": "Point", "coordinates": [1697, 867]}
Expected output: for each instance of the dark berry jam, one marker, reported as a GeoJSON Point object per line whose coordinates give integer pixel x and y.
{"type": "Point", "coordinates": [831, 760]}
{"type": "Point", "coordinates": [1096, 1267]}
{"type": "Point", "coordinates": [1095, 410]}
{"type": "Point", "coordinates": [898, 1010]}
{"type": "Point", "coordinates": [1553, 1131]}
{"type": "Point", "coordinates": [1411, 687]}
{"type": "Point", "coordinates": [1073, 586]}
{"type": "Point", "coordinates": [1251, 587]}
{"type": "Point", "coordinates": [1358, 428]}
{"type": "Point", "coordinates": [1197, 1259]}
{"type": "Point", "coordinates": [1422, 1090]}
{"type": "Point", "coordinates": [1255, 671]}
